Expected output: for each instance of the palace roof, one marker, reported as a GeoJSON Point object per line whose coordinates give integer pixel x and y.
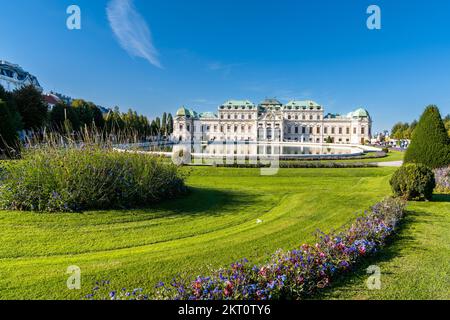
{"type": "Point", "coordinates": [208, 115]}
{"type": "Point", "coordinates": [302, 104]}
{"type": "Point", "coordinates": [237, 104]}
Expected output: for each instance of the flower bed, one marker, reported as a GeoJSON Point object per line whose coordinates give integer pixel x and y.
{"type": "Point", "coordinates": [442, 177]}
{"type": "Point", "coordinates": [294, 274]}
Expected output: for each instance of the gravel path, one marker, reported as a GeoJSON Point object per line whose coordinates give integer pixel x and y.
{"type": "Point", "coordinates": [389, 164]}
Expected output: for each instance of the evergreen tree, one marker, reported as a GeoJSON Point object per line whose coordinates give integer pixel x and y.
{"type": "Point", "coordinates": [63, 117]}
{"type": "Point", "coordinates": [31, 107]}
{"type": "Point", "coordinates": [447, 124]}
{"type": "Point", "coordinates": [15, 117]}
{"type": "Point", "coordinates": [430, 144]}
{"type": "Point", "coordinates": [169, 124]}
{"type": "Point", "coordinates": [8, 133]}
{"type": "Point", "coordinates": [164, 124]}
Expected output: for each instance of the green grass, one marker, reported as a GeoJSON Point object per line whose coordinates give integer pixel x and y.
{"type": "Point", "coordinates": [211, 227]}
{"type": "Point", "coordinates": [393, 155]}
{"type": "Point", "coordinates": [417, 263]}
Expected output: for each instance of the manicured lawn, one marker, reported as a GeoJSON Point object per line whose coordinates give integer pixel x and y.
{"type": "Point", "coordinates": [393, 155]}
{"type": "Point", "coordinates": [416, 265]}
{"type": "Point", "coordinates": [211, 227]}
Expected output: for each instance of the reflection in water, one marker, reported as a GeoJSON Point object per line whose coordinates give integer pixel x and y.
{"type": "Point", "coordinates": [252, 149]}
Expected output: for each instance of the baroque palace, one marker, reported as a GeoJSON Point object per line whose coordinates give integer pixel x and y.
{"type": "Point", "coordinates": [271, 121]}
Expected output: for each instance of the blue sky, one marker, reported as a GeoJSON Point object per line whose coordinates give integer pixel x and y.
{"type": "Point", "coordinates": [200, 53]}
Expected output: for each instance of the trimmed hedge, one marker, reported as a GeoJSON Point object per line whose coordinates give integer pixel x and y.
{"type": "Point", "coordinates": [413, 182]}
{"type": "Point", "coordinates": [301, 164]}
{"type": "Point", "coordinates": [430, 143]}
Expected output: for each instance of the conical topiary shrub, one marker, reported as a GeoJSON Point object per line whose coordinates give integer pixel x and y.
{"type": "Point", "coordinates": [430, 144]}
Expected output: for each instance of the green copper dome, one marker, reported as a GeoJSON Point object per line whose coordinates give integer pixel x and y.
{"type": "Point", "coordinates": [360, 113]}
{"type": "Point", "coordinates": [183, 112]}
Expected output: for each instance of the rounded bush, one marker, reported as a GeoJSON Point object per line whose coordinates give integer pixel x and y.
{"type": "Point", "coordinates": [413, 182]}
{"type": "Point", "coordinates": [77, 179]}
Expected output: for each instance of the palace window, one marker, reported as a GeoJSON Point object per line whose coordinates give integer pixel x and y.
{"type": "Point", "coordinates": [348, 130]}
{"type": "Point", "coordinates": [318, 130]}
{"type": "Point", "coordinates": [332, 130]}
{"type": "Point", "coordinates": [340, 130]}
{"type": "Point", "coordinates": [235, 116]}
{"type": "Point", "coordinates": [363, 130]}
{"type": "Point", "coordinates": [249, 116]}
{"type": "Point", "coordinates": [303, 117]}
{"type": "Point", "coordinates": [311, 117]}
{"type": "Point", "coordinates": [296, 129]}
{"type": "Point", "coordinates": [303, 130]}
{"type": "Point", "coordinates": [229, 117]}
{"type": "Point", "coordinates": [310, 130]}
{"type": "Point", "coordinates": [242, 116]}
{"type": "Point", "coordinates": [325, 130]}
{"type": "Point", "coordinates": [354, 130]}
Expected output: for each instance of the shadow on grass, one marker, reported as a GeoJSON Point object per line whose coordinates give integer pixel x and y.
{"type": "Point", "coordinates": [202, 201]}
{"type": "Point", "coordinates": [441, 198]}
{"type": "Point", "coordinates": [359, 275]}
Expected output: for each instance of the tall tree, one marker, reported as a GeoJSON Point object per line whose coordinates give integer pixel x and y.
{"type": "Point", "coordinates": [169, 124]}
{"type": "Point", "coordinates": [31, 107]}
{"type": "Point", "coordinates": [8, 133]}
{"type": "Point", "coordinates": [157, 126]}
{"type": "Point", "coordinates": [430, 144]}
{"type": "Point", "coordinates": [164, 124]}
{"type": "Point", "coordinates": [15, 117]}
{"type": "Point", "coordinates": [447, 124]}
{"type": "Point", "coordinates": [63, 117]}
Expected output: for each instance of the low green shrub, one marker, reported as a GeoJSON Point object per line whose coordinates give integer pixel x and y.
{"type": "Point", "coordinates": [413, 182]}
{"type": "Point", "coordinates": [81, 178]}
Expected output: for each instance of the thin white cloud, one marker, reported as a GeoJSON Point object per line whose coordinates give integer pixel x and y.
{"type": "Point", "coordinates": [131, 30]}
{"type": "Point", "coordinates": [219, 66]}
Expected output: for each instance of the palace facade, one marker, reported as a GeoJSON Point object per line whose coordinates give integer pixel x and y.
{"type": "Point", "coordinates": [272, 121]}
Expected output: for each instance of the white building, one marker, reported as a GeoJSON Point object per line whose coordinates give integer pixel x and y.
{"type": "Point", "coordinates": [13, 77]}
{"type": "Point", "coordinates": [271, 121]}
